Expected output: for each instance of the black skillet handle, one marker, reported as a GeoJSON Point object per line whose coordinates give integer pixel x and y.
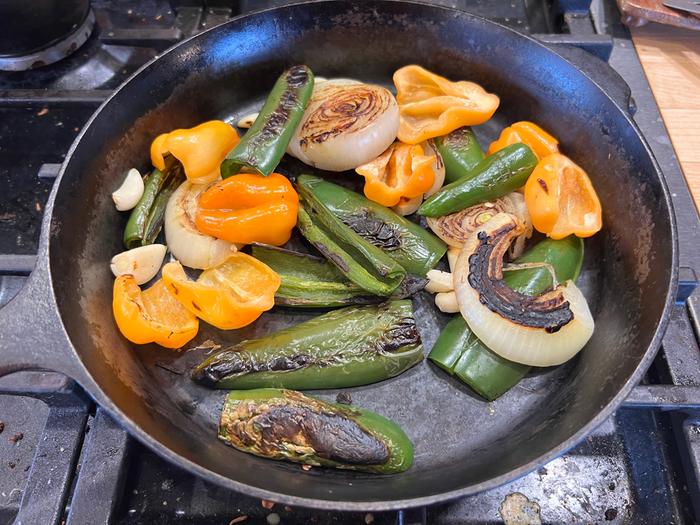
{"type": "Point", "coordinates": [600, 72]}
{"type": "Point", "coordinates": [32, 336]}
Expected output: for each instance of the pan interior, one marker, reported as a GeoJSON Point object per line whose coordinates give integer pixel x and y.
{"type": "Point", "coordinates": [460, 441]}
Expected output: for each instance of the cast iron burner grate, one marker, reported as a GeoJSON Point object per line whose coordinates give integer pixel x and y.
{"type": "Point", "coordinates": [63, 460]}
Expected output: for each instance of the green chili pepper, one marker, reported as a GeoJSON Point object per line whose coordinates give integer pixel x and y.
{"type": "Point", "coordinates": [360, 261]}
{"type": "Point", "coordinates": [459, 352]}
{"type": "Point", "coordinates": [262, 147]}
{"type": "Point", "coordinates": [498, 174]}
{"type": "Point", "coordinates": [146, 219]}
{"type": "Point", "coordinates": [309, 281]}
{"type": "Point", "coordinates": [415, 249]}
{"type": "Point", "coordinates": [287, 425]}
{"type": "Point", "coordinates": [460, 152]}
{"type": "Point", "coordinates": [353, 346]}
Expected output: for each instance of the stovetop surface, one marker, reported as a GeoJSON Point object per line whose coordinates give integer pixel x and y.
{"type": "Point", "coordinates": [69, 462]}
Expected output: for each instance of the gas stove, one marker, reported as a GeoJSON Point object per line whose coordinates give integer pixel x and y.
{"type": "Point", "coordinates": [63, 460]}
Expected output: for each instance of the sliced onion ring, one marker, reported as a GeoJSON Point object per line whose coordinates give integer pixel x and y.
{"type": "Point", "coordinates": [545, 330]}
{"type": "Point", "coordinates": [456, 227]}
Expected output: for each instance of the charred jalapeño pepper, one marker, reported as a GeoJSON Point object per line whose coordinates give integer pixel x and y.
{"type": "Point", "coordinates": [353, 346]}
{"type": "Point", "coordinates": [287, 425]}
{"type": "Point", "coordinates": [262, 147]}
{"type": "Point", "coordinates": [459, 352]}
{"type": "Point", "coordinates": [357, 259]}
{"type": "Point", "coordinates": [415, 249]}
{"type": "Point", "coordinates": [496, 175]}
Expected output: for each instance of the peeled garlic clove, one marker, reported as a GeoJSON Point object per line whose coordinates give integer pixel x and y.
{"type": "Point", "coordinates": [129, 193]}
{"type": "Point", "coordinates": [142, 263]}
{"type": "Point", "coordinates": [248, 120]}
{"type": "Point", "coordinates": [439, 281]}
{"type": "Point", "coordinates": [447, 302]}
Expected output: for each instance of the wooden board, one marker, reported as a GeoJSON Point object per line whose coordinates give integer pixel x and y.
{"type": "Point", "coordinates": [638, 12]}
{"type": "Point", "coordinates": [671, 60]}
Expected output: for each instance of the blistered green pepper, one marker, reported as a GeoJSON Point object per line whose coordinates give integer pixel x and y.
{"type": "Point", "coordinates": [264, 144]}
{"type": "Point", "coordinates": [498, 174]}
{"type": "Point", "coordinates": [414, 248]}
{"type": "Point", "coordinates": [459, 352]}
{"type": "Point", "coordinates": [353, 346]}
{"type": "Point", "coordinates": [357, 259]}
{"type": "Point", "coordinates": [287, 425]}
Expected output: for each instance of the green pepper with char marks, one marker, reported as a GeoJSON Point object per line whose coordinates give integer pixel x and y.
{"type": "Point", "coordinates": [460, 152]}
{"type": "Point", "coordinates": [414, 248]}
{"type": "Point", "coordinates": [146, 219]}
{"type": "Point", "coordinates": [357, 259]}
{"type": "Point", "coordinates": [352, 346]}
{"type": "Point", "coordinates": [498, 174]}
{"type": "Point", "coordinates": [264, 144]}
{"type": "Point", "coordinates": [459, 352]}
{"type": "Point", "coordinates": [309, 281]}
{"type": "Point", "coordinates": [287, 425]}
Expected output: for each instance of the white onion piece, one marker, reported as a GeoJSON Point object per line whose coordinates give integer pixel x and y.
{"type": "Point", "coordinates": [346, 124]}
{"type": "Point", "coordinates": [508, 338]}
{"type": "Point", "coordinates": [129, 193]}
{"type": "Point", "coordinates": [407, 207]}
{"type": "Point", "coordinates": [429, 148]}
{"type": "Point", "coordinates": [187, 244]}
{"type": "Point", "coordinates": [142, 263]}
{"type": "Point", "coordinates": [452, 256]}
{"type": "Point", "coordinates": [456, 227]}
{"type": "Point", "coordinates": [248, 120]}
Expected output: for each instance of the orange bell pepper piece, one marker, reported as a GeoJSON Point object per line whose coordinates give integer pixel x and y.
{"type": "Point", "coordinates": [540, 142]}
{"type": "Point", "coordinates": [402, 171]}
{"type": "Point", "coordinates": [200, 149]}
{"type": "Point", "coordinates": [151, 316]}
{"type": "Point", "coordinates": [228, 296]}
{"type": "Point", "coordinates": [561, 199]}
{"type": "Point", "coordinates": [431, 106]}
{"type": "Point", "coordinates": [249, 207]}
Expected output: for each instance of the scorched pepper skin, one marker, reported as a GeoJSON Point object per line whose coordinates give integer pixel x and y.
{"type": "Point", "coordinates": [352, 346]}
{"type": "Point", "coordinates": [287, 425]}
{"type": "Point", "coordinates": [264, 144]}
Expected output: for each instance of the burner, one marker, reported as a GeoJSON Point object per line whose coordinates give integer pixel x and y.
{"type": "Point", "coordinates": [55, 51]}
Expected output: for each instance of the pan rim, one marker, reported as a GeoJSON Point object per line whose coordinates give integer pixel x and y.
{"type": "Point", "coordinates": [156, 446]}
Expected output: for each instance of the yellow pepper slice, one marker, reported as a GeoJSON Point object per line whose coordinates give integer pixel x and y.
{"type": "Point", "coordinates": [540, 142]}
{"type": "Point", "coordinates": [403, 171]}
{"type": "Point", "coordinates": [431, 106]}
{"type": "Point", "coordinates": [561, 199]}
{"type": "Point", "coordinates": [228, 296]}
{"type": "Point", "coordinates": [200, 149]}
{"type": "Point", "coordinates": [151, 316]}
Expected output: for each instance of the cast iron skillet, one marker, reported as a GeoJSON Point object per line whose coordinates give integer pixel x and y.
{"type": "Point", "coordinates": [62, 319]}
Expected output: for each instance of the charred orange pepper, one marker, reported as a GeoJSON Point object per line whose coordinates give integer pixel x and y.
{"type": "Point", "coordinates": [402, 171]}
{"type": "Point", "coordinates": [151, 316]}
{"type": "Point", "coordinates": [230, 295]}
{"type": "Point", "coordinates": [561, 199]}
{"type": "Point", "coordinates": [431, 106]}
{"type": "Point", "coordinates": [200, 149]}
{"type": "Point", "coordinates": [540, 142]}
{"type": "Point", "coordinates": [249, 207]}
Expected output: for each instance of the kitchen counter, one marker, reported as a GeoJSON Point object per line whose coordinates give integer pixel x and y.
{"type": "Point", "coordinates": [671, 60]}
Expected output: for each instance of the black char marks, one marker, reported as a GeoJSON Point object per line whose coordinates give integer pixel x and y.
{"type": "Point", "coordinates": [548, 311]}
{"type": "Point", "coordinates": [331, 435]}
{"type": "Point", "coordinates": [375, 231]}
